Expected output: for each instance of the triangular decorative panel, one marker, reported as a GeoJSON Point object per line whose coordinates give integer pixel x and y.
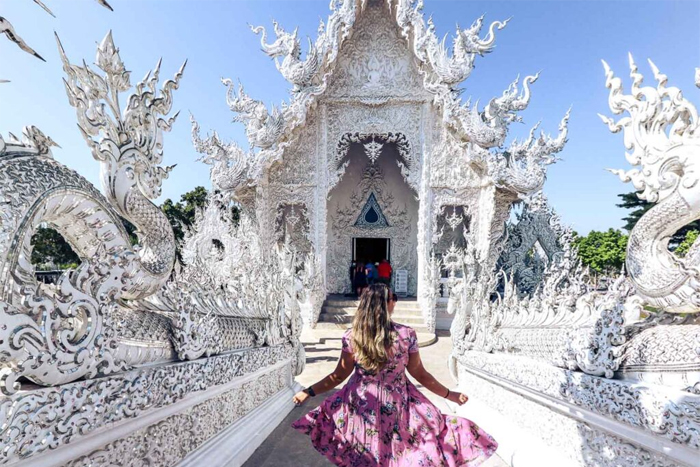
{"type": "Point", "coordinates": [371, 216]}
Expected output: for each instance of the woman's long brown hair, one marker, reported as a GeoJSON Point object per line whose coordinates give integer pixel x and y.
{"type": "Point", "coordinates": [371, 328]}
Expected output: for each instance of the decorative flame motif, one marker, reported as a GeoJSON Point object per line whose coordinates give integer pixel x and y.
{"type": "Point", "coordinates": [466, 45]}
{"type": "Point", "coordinates": [373, 149]}
{"type": "Point", "coordinates": [262, 128]}
{"type": "Point", "coordinates": [130, 148]}
{"type": "Point", "coordinates": [300, 73]}
{"type": "Point", "coordinates": [454, 220]}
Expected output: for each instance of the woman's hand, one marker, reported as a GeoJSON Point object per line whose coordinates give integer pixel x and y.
{"type": "Point", "coordinates": [457, 397]}
{"type": "Point", "coordinates": [299, 398]}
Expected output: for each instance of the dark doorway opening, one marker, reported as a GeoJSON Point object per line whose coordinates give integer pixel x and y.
{"type": "Point", "coordinates": [372, 250]}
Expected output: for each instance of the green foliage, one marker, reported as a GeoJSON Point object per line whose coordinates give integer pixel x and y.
{"type": "Point", "coordinates": [130, 231]}
{"type": "Point", "coordinates": [640, 207]}
{"type": "Point", "coordinates": [602, 252]}
{"type": "Point", "coordinates": [687, 242]}
{"type": "Point", "coordinates": [51, 251]}
{"type": "Point", "coordinates": [182, 213]}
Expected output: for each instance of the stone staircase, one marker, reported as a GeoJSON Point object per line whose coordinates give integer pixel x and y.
{"type": "Point", "coordinates": [338, 312]}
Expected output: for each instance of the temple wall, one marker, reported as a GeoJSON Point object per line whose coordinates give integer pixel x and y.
{"type": "Point", "coordinates": [396, 200]}
{"type": "Point", "coordinates": [547, 416]}
{"type": "Point", "coordinates": [183, 413]}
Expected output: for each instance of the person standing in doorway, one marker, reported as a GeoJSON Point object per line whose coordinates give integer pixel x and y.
{"type": "Point", "coordinates": [369, 271]}
{"type": "Point", "coordinates": [351, 271]}
{"type": "Point", "coordinates": [360, 279]}
{"type": "Point", "coordinates": [384, 271]}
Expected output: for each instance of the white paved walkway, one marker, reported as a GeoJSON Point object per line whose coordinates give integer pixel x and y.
{"type": "Point", "coordinates": [286, 447]}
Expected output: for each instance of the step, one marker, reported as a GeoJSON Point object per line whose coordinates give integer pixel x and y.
{"type": "Point", "coordinates": [343, 318]}
{"type": "Point", "coordinates": [409, 305]}
{"type": "Point", "coordinates": [351, 311]}
{"type": "Point", "coordinates": [349, 304]}
{"type": "Point", "coordinates": [425, 338]}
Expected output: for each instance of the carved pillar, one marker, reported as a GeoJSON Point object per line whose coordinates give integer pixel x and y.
{"type": "Point", "coordinates": [322, 193]}
{"type": "Point", "coordinates": [493, 211]}
{"type": "Point", "coordinates": [425, 197]}
{"type": "Point", "coordinates": [265, 214]}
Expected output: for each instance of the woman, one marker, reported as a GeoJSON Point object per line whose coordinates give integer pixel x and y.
{"type": "Point", "coordinates": [380, 418]}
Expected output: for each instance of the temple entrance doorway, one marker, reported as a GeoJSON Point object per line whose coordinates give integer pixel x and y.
{"type": "Point", "coordinates": [371, 249]}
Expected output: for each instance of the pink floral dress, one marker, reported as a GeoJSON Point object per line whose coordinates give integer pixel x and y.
{"type": "Point", "coordinates": [383, 420]}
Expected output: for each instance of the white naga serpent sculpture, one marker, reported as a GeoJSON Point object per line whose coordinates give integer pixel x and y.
{"type": "Point", "coordinates": [52, 337]}
{"type": "Point", "coordinates": [662, 135]}
{"type": "Point", "coordinates": [123, 305]}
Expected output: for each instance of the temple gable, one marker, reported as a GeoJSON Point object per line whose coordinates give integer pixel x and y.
{"type": "Point", "coordinates": [376, 60]}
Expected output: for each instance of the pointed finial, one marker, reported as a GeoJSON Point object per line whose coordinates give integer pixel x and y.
{"type": "Point", "coordinates": [41, 4]}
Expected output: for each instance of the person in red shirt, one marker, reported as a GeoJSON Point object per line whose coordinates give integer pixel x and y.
{"type": "Point", "coordinates": [384, 270]}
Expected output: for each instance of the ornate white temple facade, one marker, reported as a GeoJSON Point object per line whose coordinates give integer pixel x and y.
{"type": "Point", "coordinates": [138, 358]}
{"type": "Point", "coordinates": [375, 156]}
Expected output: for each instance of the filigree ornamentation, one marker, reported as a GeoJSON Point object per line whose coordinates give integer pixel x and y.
{"type": "Point", "coordinates": [627, 402]}
{"type": "Point", "coordinates": [371, 215]}
{"type": "Point", "coordinates": [169, 441]}
{"type": "Point", "coordinates": [292, 226]}
{"type": "Point", "coordinates": [373, 149]}
{"type": "Point", "coordinates": [454, 220]}
{"type": "Point", "coordinates": [466, 45]}
{"type": "Point", "coordinates": [98, 403]}
{"type": "Point", "coordinates": [231, 165]}
{"type": "Point", "coordinates": [521, 168]}
{"type": "Point", "coordinates": [375, 63]}
{"type": "Point", "coordinates": [194, 333]}
{"type": "Point", "coordinates": [123, 305]}
{"type": "Point", "coordinates": [75, 331]}
{"type": "Point", "coordinates": [129, 149]}
{"type": "Point", "coordinates": [345, 212]}
{"type": "Point", "coordinates": [619, 405]}
{"type": "Point", "coordinates": [532, 243]}
{"type": "Point", "coordinates": [300, 73]}
{"type": "Point", "coordinates": [662, 133]}
{"type": "Point", "coordinates": [263, 129]}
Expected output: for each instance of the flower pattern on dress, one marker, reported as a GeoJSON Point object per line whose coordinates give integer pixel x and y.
{"type": "Point", "coordinates": [383, 419]}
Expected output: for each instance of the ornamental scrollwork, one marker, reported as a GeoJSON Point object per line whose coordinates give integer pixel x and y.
{"type": "Point", "coordinates": [129, 149]}
{"type": "Point", "coordinates": [300, 73]}
{"type": "Point", "coordinates": [263, 128]}
{"type": "Point", "coordinates": [90, 405]}
{"type": "Point", "coordinates": [531, 243]}
{"type": "Point", "coordinates": [124, 305]}
{"type": "Point", "coordinates": [345, 212]}
{"type": "Point", "coordinates": [466, 46]}
{"type": "Point", "coordinates": [373, 143]}
{"type": "Point", "coordinates": [661, 132]}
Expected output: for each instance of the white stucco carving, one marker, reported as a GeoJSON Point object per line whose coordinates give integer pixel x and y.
{"type": "Point", "coordinates": [374, 123]}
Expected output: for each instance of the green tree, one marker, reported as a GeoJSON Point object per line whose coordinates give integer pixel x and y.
{"type": "Point", "coordinates": [639, 207]}
{"type": "Point", "coordinates": [50, 250]}
{"type": "Point", "coordinates": [687, 242]}
{"type": "Point", "coordinates": [182, 213]}
{"type": "Point", "coordinates": [602, 252]}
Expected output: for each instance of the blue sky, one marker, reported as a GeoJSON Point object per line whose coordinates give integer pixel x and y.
{"type": "Point", "coordinates": [564, 39]}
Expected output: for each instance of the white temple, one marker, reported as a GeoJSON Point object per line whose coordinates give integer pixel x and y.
{"type": "Point", "coordinates": [375, 157]}
{"type": "Point", "coordinates": [136, 358]}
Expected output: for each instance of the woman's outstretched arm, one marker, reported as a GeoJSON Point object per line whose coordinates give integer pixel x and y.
{"type": "Point", "coordinates": [342, 371]}
{"type": "Point", "coordinates": [416, 369]}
